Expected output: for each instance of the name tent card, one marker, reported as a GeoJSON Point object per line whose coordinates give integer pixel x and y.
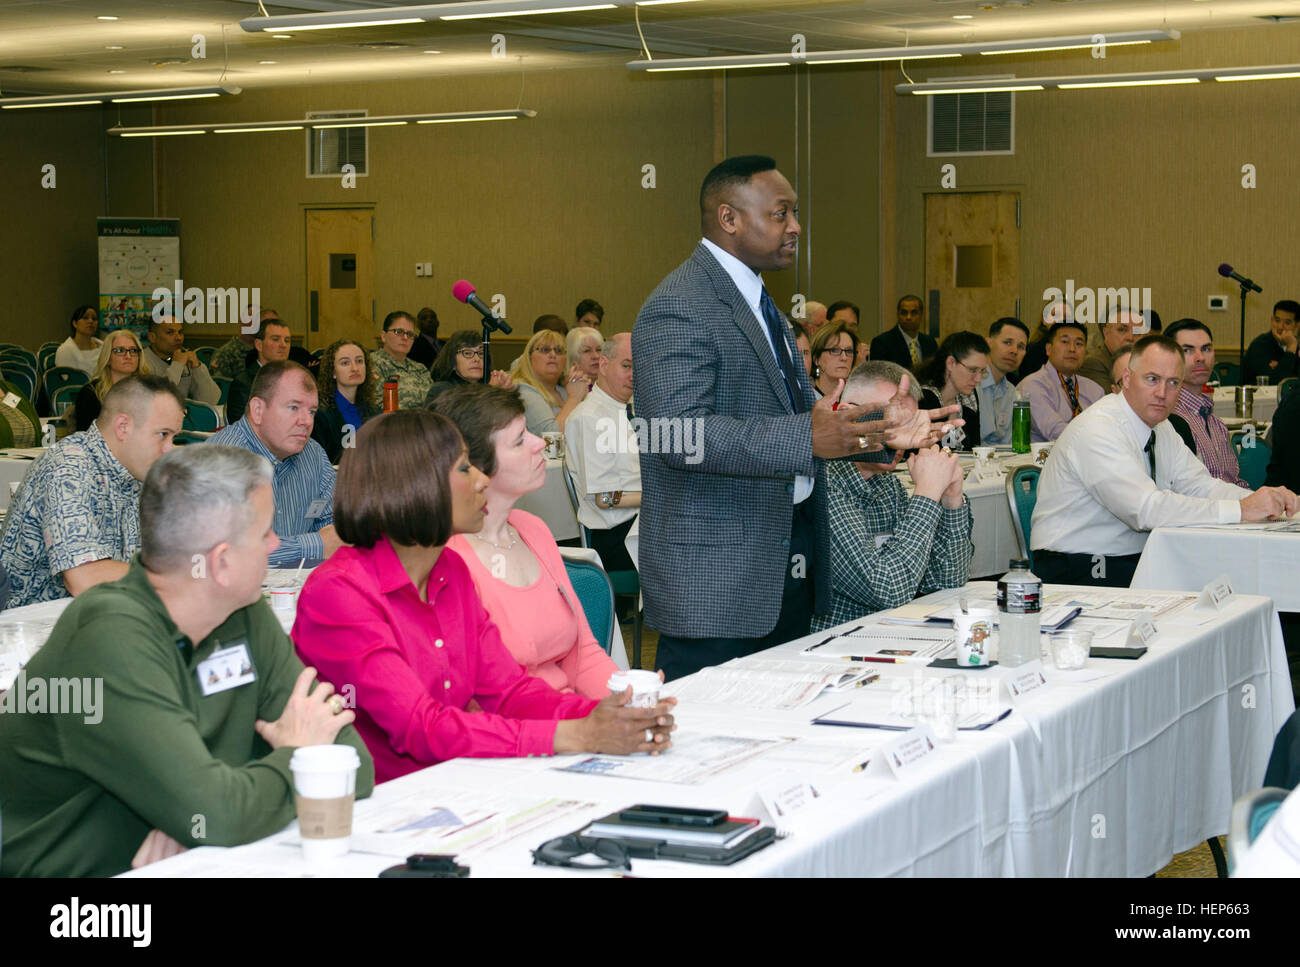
{"type": "Point", "coordinates": [1215, 594]}
{"type": "Point", "coordinates": [903, 754]}
{"type": "Point", "coordinates": [1141, 632]}
{"type": "Point", "coordinates": [1026, 679]}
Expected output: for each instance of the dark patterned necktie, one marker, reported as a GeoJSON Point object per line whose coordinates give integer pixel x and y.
{"type": "Point", "coordinates": [1071, 392]}
{"type": "Point", "coordinates": [1150, 449]}
{"type": "Point", "coordinates": [776, 331]}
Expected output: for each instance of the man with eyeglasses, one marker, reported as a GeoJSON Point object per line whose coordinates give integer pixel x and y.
{"type": "Point", "coordinates": [165, 354]}
{"type": "Point", "coordinates": [1057, 393]}
{"type": "Point", "coordinates": [1119, 470]}
{"type": "Point", "coordinates": [391, 361]}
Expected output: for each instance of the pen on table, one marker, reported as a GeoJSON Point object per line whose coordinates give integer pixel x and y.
{"type": "Point", "coordinates": [862, 765]}
{"type": "Point", "coordinates": [833, 637]}
{"type": "Point", "coordinates": [886, 661]}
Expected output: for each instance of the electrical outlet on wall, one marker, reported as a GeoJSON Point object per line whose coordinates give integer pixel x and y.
{"type": "Point", "coordinates": [419, 269]}
{"type": "Point", "coordinates": [1218, 303]}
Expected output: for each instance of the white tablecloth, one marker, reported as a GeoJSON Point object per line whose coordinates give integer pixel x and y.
{"type": "Point", "coordinates": [12, 471]}
{"type": "Point", "coordinates": [1225, 402]}
{"type": "Point", "coordinates": [552, 503]}
{"type": "Point", "coordinates": [1188, 558]}
{"type": "Point", "coordinates": [1130, 768]}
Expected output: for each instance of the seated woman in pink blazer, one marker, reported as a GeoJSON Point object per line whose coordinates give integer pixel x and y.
{"type": "Point", "coordinates": [514, 560]}
{"type": "Point", "coordinates": [397, 618]}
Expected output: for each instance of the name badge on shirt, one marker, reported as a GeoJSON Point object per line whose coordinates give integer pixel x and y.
{"type": "Point", "coordinates": [316, 508]}
{"type": "Point", "coordinates": [226, 669]}
{"type": "Point", "coordinates": [12, 400]}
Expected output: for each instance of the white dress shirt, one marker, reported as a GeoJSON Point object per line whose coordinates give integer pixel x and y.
{"type": "Point", "coordinates": [750, 284]}
{"type": "Point", "coordinates": [997, 399]}
{"type": "Point", "coordinates": [1096, 495]}
{"type": "Point", "coordinates": [601, 454]}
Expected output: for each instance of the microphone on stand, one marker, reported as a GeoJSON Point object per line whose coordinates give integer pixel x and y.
{"type": "Point", "coordinates": [464, 291]}
{"type": "Point", "coordinates": [1226, 271]}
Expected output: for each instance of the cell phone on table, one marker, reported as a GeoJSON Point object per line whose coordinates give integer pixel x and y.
{"type": "Point", "coordinates": [673, 815]}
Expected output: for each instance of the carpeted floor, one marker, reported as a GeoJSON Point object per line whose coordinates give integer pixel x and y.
{"type": "Point", "coordinates": [1194, 863]}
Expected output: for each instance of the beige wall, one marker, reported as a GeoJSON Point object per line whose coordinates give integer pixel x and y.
{"type": "Point", "coordinates": [1134, 187]}
{"type": "Point", "coordinates": [546, 211]}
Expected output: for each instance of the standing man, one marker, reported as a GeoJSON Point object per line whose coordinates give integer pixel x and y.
{"type": "Point", "coordinates": [734, 553]}
{"type": "Point", "coordinates": [1273, 354]}
{"type": "Point", "coordinates": [165, 354]}
{"type": "Point", "coordinates": [427, 345]}
{"type": "Point", "coordinates": [905, 344]}
{"type": "Point", "coordinates": [1119, 471]}
{"type": "Point", "coordinates": [1056, 393]}
{"type": "Point", "coordinates": [1213, 444]}
{"type": "Point", "coordinates": [1119, 330]}
{"type": "Point", "coordinates": [602, 456]}
{"type": "Point", "coordinates": [1008, 338]}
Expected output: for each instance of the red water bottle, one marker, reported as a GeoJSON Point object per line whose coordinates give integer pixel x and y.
{"type": "Point", "coordinates": [390, 395]}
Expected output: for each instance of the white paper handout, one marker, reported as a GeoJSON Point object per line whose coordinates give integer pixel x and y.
{"type": "Point", "coordinates": [690, 761]}
{"type": "Point", "coordinates": [769, 682]}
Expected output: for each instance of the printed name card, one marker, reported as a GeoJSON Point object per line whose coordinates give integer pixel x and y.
{"type": "Point", "coordinates": [12, 400]}
{"type": "Point", "coordinates": [1215, 594]}
{"type": "Point", "coordinates": [1141, 632]}
{"type": "Point", "coordinates": [784, 798]}
{"type": "Point", "coordinates": [1026, 679]}
{"type": "Point", "coordinates": [903, 754]}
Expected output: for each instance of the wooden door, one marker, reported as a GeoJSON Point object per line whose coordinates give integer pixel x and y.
{"type": "Point", "coordinates": [972, 260]}
{"type": "Point", "coordinates": [341, 276]}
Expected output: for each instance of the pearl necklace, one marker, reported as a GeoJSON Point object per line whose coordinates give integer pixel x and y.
{"type": "Point", "coordinates": [509, 530]}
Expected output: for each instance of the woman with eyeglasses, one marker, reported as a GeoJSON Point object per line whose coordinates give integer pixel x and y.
{"type": "Point", "coordinates": [460, 361]}
{"type": "Point", "coordinates": [81, 349]}
{"type": "Point", "coordinates": [395, 615]}
{"type": "Point", "coordinates": [119, 357]}
{"type": "Point", "coordinates": [391, 361]}
{"type": "Point", "coordinates": [347, 396]}
{"type": "Point", "coordinates": [950, 376]}
{"type": "Point", "coordinates": [513, 559]}
{"type": "Point", "coordinates": [550, 391]}
{"type": "Point", "coordinates": [833, 349]}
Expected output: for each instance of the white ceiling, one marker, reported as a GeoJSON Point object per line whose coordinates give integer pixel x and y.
{"type": "Point", "coordinates": [57, 46]}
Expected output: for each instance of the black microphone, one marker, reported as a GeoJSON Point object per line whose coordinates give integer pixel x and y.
{"type": "Point", "coordinates": [464, 291]}
{"type": "Point", "coordinates": [1225, 270]}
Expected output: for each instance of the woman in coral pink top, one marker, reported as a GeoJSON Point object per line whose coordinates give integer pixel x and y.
{"type": "Point", "coordinates": [398, 619]}
{"type": "Point", "coordinates": [514, 560]}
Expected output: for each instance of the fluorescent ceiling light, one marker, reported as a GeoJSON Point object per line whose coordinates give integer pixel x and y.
{"type": "Point", "coordinates": [1039, 50]}
{"type": "Point", "coordinates": [1077, 82]}
{"type": "Point", "coordinates": [882, 54]}
{"type": "Point", "coordinates": [298, 124]}
{"type": "Point", "coordinates": [419, 13]}
{"type": "Point", "coordinates": [342, 24]}
{"type": "Point", "coordinates": [117, 97]}
{"type": "Point", "coordinates": [526, 12]}
{"type": "Point", "coordinates": [1150, 82]}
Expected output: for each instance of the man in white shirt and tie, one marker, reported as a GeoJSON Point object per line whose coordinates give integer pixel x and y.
{"type": "Point", "coordinates": [1119, 470]}
{"type": "Point", "coordinates": [603, 458]}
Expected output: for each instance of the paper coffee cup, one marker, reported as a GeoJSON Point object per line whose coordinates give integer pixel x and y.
{"type": "Point", "coordinates": [974, 631]}
{"type": "Point", "coordinates": [282, 599]}
{"type": "Point", "coordinates": [645, 687]}
{"type": "Point", "coordinates": [324, 789]}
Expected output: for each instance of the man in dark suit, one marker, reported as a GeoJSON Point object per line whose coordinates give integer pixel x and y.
{"type": "Point", "coordinates": [905, 344]}
{"type": "Point", "coordinates": [734, 535]}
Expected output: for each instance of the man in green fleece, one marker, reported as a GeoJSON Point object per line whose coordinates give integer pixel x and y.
{"type": "Point", "coordinates": [191, 699]}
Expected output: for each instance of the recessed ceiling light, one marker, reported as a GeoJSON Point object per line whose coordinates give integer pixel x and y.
{"type": "Point", "coordinates": [105, 18]}
{"type": "Point", "coordinates": [282, 36]}
{"type": "Point", "coordinates": [963, 16]}
{"type": "Point", "coordinates": [433, 52]}
{"type": "Point", "coordinates": [268, 62]}
{"type": "Point", "coordinates": [114, 47]}
{"type": "Point", "coordinates": [117, 72]}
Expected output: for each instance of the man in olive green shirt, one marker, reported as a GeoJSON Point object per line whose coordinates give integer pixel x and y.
{"type": "Point", "coordinates": [192, 700]}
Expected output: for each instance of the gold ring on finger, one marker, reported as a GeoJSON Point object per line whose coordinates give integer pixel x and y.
{"type": "Point", "coordinates": [862, 442]}
{"type": "Point", "coordinates": [336, 704]}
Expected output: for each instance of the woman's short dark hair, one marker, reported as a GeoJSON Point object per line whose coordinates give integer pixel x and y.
{"type": "Point", "coordinates": [829, 335]}
{"type": "Point", "coordinates": [957, 345]}
{"type": "Point", "coordinates": [396, 481]}
{"type": "Point", "coordinates": [393, 317]}
{"type": "Point", "coordinates": [479, 411]}
{"type": "Point", "coordinates": [77, 313]}
{"type": "Point", "coordinates": [444, 367]}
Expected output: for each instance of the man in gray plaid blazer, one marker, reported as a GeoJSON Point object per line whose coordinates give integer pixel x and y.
{"type": "Point", "coordinates": [734, 533]}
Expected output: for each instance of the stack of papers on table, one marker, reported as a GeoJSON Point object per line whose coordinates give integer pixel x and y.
{"type": "Point", "coordinates": [770, 682]}
{"type": "Point", "coordinates": [879, 712]}
{"type": "Point", "coordinates": [883, 643]}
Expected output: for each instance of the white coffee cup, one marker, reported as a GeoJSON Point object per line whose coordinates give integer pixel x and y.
{"type": "Point", "coordinates": [983, 454]}
{"type": "Point", "coordinates": [645, 686]}
{"type": "Point", "coordinates": [282, 599]}
{"type": "Point", "coordinates": [974, 630]}
{"type": "Point", "coordinates": [554, 445]}
{"type": "Point", "coordinates": [324, 789]}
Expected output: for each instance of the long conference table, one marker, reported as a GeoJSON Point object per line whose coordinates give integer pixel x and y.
{"type": "Point", "coordinates": [1108, 771]}
{"type": "Point", "coordinates": [1258, 558]}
